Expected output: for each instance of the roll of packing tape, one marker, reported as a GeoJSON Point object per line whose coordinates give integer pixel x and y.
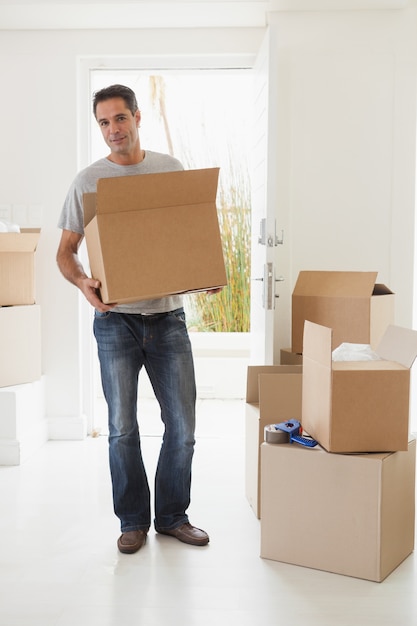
{"type": "Point", "coordinates": [274, 435]}
{"type": "Point", "coordinates": [288, 432]}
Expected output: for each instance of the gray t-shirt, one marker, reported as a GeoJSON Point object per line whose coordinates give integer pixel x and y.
{"type": "Point", "coordinates": [72, 217]}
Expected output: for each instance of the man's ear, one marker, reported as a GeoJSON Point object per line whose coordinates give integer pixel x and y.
{"type": "Point", "coordinates": [137, 118]}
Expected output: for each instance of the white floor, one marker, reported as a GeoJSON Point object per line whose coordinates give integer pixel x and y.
{"type": "Point", "coordinates": [59, 565]}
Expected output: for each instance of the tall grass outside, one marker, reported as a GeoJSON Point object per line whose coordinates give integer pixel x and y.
{"type": "Point", "coordinates": [229, 310]}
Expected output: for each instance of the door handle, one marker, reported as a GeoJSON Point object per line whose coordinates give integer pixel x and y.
{"type": "Point", "coordinates": [269, 281]}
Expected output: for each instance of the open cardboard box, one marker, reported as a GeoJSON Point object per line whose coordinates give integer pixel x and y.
{"type": "Point", "coordinates": [358, 406]}
{"type": "Point", "coordinates": [273, 394]}
{"type": "Point", "coordinates": [357, 309]}
{"type": "Point", "coordinates": [154, 235]}
{"type": "Point", "coordinates": [346, 514]}
{"type": "Point", "coordinates": [17, 266]}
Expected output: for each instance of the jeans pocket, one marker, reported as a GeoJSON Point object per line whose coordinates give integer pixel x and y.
{"type": "Point", "coordinates": [179, 315]}
{"type": "Point", "coordinates": [101, 314]}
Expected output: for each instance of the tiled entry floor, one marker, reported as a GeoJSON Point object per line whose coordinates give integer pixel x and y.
{"type": "Point", "coordinates": [59, 564]}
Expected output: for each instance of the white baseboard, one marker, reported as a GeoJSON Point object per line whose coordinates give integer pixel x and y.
{"type": "Point", "coordinates": [67, 428]}
{"type": "Point", "coordinates": [9, 452]}
{"type": "Point", "coordinates": [16, 451]}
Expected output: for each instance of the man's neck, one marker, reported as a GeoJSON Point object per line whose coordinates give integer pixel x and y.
{"type": "Point", "coordinates": [127, 159]}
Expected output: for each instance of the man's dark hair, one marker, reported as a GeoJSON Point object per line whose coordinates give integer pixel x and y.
{"type": "Point", "coordinates": [116, 91]}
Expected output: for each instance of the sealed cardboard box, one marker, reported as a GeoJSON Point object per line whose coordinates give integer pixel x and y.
{"type": "Point", "coordinates": [17, 266]}
{"type": "Point", "coordinates": [273, 394]}
{"type": "Point", "coordinates": [154, 235]}
{"type": "Point", "coordinates": [20, 345]}
{"type": "Point", "coordinates": [357, 309]}
{"type": "Point", "coordinates": [358, 406]}
{"type": "Point", "coordinates": [346, 514]}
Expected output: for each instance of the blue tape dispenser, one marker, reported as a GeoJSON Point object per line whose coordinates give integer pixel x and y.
{"type": "Point", "coordinates": [288, 432]}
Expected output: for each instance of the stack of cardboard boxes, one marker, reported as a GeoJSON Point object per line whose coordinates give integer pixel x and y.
{"type": "Point", "coordinates": [20, 332]}
{"type": "Point", "coordinates": [273, 394]}
{"type": "Point", "coordinates": [347, 505]}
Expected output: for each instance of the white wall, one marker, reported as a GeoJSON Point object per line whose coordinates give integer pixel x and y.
{"type": "Point", "coordinates": [38, 110]}
{"type": "Point", "coordinates": [346, 137]}
{"type": "Point", "coordinates": [39, 157]}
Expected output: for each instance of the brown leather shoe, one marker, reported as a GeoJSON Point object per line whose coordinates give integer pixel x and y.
{"type": "Point", "coordinates": [132, 541]}
{"type": "Point", "coordinates": [188, 534]}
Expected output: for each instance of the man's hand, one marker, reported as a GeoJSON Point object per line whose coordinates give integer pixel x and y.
{"type": "Point", "coordinates": [211, 292]}
{"type": "Point", "coordinates": [90, 287]}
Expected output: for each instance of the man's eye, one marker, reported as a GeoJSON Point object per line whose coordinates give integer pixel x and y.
{"type": "Point", "coordinates": [121, 118]}
{"type": "Point", "coordinates": [103, 123]}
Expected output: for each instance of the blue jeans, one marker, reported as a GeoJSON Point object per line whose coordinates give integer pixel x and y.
{"type": "Point", "coordinates": [161, 344]}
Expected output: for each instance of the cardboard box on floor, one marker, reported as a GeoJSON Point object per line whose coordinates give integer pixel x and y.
{"type": "Point", "coordinates": [154, 235]}
{"type": "Point", "coordinates": [358, 406]}
{"type": "Point", "coordinates": [17, 266]}
{"type": "Point", "coordinates": [357, 309]}
{"type": "Point", "coordinates": [346, 514]}
{"type": "Point", "coordinates": [273, 394]}
{"type": "Point", "coordinates": [20, 344]}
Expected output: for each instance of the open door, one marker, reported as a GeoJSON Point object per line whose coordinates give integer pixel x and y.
{"type": "Point", "coordinates": [265, 237]}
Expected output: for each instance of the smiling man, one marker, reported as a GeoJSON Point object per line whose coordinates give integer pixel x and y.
{"type": "Point", "coordinates": [120, 130]}
{"type": "Point", "coordinates": [150, 334]}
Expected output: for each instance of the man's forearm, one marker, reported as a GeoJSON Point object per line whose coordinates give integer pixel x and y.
{"type": "Point", "coordinates": [67, 257]}
{"type": "Point", "coordinates": [70, 267]}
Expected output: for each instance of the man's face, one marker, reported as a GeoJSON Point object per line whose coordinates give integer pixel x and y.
{"type": "Point", "coordinates": [118, 126]}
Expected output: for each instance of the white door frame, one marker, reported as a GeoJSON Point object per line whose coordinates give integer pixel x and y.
{"type": "Point", "coordinates": [86, 65]}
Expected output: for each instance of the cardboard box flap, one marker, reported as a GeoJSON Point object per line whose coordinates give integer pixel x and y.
{"type": "Point", "coordinates": [280, 400]}
{"type": "Point", "coordinates": [398, 344]}
{"type": "Point", "coordinates": [89, 206]}
{"type": "Point", "coordinates": [332, 284]}
{"type": "Point", "coordinates": [25, 241]}
{"type": "Point", "coordinates": [151, 191]}
{"type": "Point", "coordinates": [254, 372]}
{"type": "Point", "coordinates": [318, 343]}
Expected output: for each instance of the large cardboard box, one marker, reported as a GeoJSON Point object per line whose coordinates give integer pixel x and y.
{"type": "Point", "coordinates": [154, 235]}
{"type": "Point", "coordinates": [346, 514]}
{"type": "Point", "coordinates": [17, 266]}
{"type": "Point", "coordinates": [358, 406]}
{"type": "Point", "coordinates": [20, 344]}
{"type": "Point", "coordinates": [357, 309]}
{"type": "Point", "coordinates": [273, 394]}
